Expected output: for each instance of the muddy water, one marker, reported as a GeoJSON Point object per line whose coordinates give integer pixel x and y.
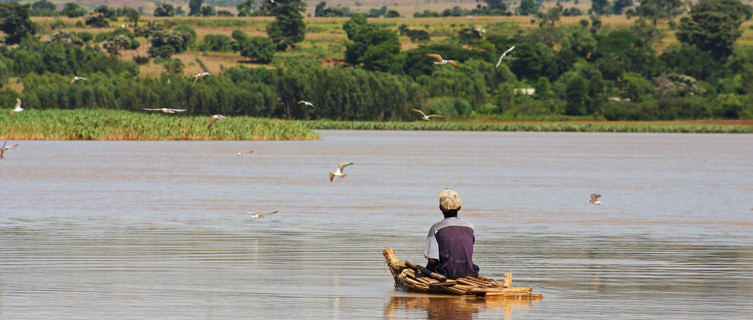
{"type": "Point", "coordinates": [159, 230]}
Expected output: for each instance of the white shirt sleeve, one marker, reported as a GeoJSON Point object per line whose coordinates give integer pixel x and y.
{"type": "Point", "coordinates": [432, 247]}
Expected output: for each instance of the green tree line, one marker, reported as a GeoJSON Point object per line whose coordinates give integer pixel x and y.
{"type": "Point", "coordinates": [584, 70]}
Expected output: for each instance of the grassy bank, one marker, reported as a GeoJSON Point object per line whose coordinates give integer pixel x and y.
{"type": "Point", "coordinates": [100, 124]}
{"type": "Point", "coordinates": [564, 126]}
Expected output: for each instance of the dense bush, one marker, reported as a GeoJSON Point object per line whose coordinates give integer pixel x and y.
{"type": "Point", "coordinates": [216, 42]}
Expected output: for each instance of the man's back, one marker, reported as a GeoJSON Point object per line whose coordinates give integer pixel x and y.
{"type": "Point", "coordinates": [451, 242]}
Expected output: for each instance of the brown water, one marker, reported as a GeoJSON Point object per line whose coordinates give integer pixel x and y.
{"type": "Point", "coordinates": [159, 230]}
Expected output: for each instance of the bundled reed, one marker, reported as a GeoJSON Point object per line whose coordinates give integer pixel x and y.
{"type": "Point", "coordinates": [412, 277]}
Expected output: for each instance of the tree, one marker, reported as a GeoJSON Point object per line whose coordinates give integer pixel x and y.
{"type": "Point", "coordinates": [655, 10]}
{"type": "Point", "coordinates": [244, 8]}
{"type": "Point", "coordinates": [258, 49]}
{"type": "Point", "coordinates": [288, 27]}
{"type": "Point", "coordinates": [319, 9]}
{"type": "Point", "coordinates": [73, 10]}
{"type": "Point", "coordinates": [97, 21]}
{"type": "Point", "coordinates": [132, 14]}
{"type": "Point", "coordinates": [43, 5]}
{"type": "Point", "coordinates": [527, 7]}
{"type": "Point", "coordinates": [105, 11]}
{"type": "Point", "coordinates": [372, 45]}
{"type": "Point", "coordinates": [194, 7]}
{"type": "Point", "coordinates": [118, 43]}
{"type": "Point", "coordinates": [619, 5]}
{"type": "Point", "coordinates": [167, 42]}
{"type": "Point", "coordinates": [208, 11]}
{"type": "Point", "coordinates": [714, 26]}
{"type": "Point", "coordinates": [599, 6]}
{"type": "Point", "coordinates": [15, 22]}
{"type": "Point", "coordinates": [164, 10]}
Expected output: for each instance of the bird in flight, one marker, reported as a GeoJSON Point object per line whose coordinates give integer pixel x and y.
{"type": "Point", "coordinates": [19, 106]}
{"type": "Point", "coordinates": [201, 75]}
{"type": "Point", "coordinates": [424, 116]}
{"type": "Point", "coordinates": [441, 60]}
{"type": "Point", "coordinates": [306, 103]}
{"type": "Point", "coordinates": [4, 147]}
{"type": "Point", "coordinates": [215, 118]}
{"type": "Point", "coordinates": [246, 152]}
{"type": "Point", "coordinates": [165, 110]}
{"type": "Point", "coordinates": [339, 171]}
{"type": "Point", "coordinates": [503, 55]}
{"type": "Point", "coordinates": [594, 199]}
{"type": "Point", "coordinates": [260, 215]}
{"type": "Point", "coordinates": [77, 78]}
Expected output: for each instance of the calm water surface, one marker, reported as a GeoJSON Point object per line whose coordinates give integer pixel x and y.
{"type": "Point", "coordinates": [159, 230]}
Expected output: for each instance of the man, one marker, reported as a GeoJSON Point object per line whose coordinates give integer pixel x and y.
{"type": "Point", "coordinates": [449, 245]}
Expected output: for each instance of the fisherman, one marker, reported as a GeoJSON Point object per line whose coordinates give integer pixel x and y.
{"type": "Point", "coordinates": [449, 245]}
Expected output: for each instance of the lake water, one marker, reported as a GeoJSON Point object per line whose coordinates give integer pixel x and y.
{"type": "Point", "coordinates": [159, 230]}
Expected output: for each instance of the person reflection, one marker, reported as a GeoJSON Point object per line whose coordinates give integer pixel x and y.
{"type": "Point", "coordinates": [451, 307]}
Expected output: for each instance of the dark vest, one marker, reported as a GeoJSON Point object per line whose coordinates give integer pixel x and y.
{"type": "Point", "coordinates": [455, 252]}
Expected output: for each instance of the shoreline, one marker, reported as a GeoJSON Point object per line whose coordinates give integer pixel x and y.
{"type": "Point", "coordinates": [103, 124]}
{"type": "Point", "coordinates": [678, 126]}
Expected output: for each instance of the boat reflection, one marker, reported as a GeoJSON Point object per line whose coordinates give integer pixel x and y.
{"type": "Point", "coordinates": [455, 307]}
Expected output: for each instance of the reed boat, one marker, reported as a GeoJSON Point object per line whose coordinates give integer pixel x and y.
{"type": "Point", "coordinates": [415, 278]}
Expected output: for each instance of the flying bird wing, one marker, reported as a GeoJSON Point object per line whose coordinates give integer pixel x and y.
{"type": "Point", "coordinates": [508, 51]}
{"type": "Point", "coordinates": [195, 78]}
{"type": "Point", "coordinates": [156, 109]}
{"type": "Point", "coordinates": [178, 110]}
{"type": "Point", "coordinates": [419, 111]}
{"type": "Point", "coordinates": [503, 55]}
{"type": "Point", "coordinates": [452, 62]}
{"type": "Point", "coordinates": [18, 102]}
{"type": "Point", "coordinates": [595, 196]}
{"type": "Point", "coordinates": [342, 166]}
{"type": "Point", "coordinates": [436, 116]}
{"type": "Point", "coordinates": [211, 122]}
{"type": "Point", "coordinates": [434, 55]}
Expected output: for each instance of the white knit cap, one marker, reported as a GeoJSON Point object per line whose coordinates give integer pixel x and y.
{"type": "Point", "coordinates": [449, 200]}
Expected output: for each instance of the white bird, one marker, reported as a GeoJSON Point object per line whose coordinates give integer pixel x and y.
{"type": "Point", "coordinates": [165, 110]}
{"type": "Point", "coordinates": [441, 60]}
{"type": "Point", "coordinates": [77, 78]}
{"type": "Point", "coordinates": [246, 152]}
{"type": "Point", "coordinates": [594, 197]}
{"type": "Point", "coordinates": [424, 116]}
{"type": "Point", "coordinates": [3, 148]}
{"type": "Point", "coordinates": [339, 171]}
{"type": "Point", "coordinates": [215, 118]}
{"type": "Point", "coordinates": [201, 75]}
{"type": "Point", "coordinates": [260, 215]}
{"type": "Point", "coordinates": [306, 103]}
{"type": "Point", "coordinates": [19, 106]}
{"type": "Point", "coordinates": [503, 55]}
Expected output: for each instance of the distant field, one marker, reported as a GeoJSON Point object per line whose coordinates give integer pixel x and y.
{"type": "Point", "coordinates": [325, 37]}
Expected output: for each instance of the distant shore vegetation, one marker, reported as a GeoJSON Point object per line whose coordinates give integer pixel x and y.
{"type": "Point", "coordinates": [647, 61]}
{"type": "Point", "coordinates": [102, 124]}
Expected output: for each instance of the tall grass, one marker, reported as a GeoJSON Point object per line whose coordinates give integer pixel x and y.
{"type": "Point", "coordinates": [579, 126]}
{"type": "Point", "coordinates": [101, 124]}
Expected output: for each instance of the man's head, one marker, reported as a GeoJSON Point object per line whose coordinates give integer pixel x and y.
{"type": "Point", "coordinates": [449, 202]}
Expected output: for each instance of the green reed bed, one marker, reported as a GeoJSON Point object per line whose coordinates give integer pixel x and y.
{"type": "Point", "coordinates": [641, 126]}
{"type": "Point", "coordinates": [101, 124]}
